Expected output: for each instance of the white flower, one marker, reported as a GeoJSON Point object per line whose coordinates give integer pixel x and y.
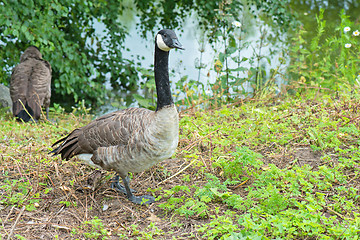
{"type": "Point", "coordinates": [236, 23]}
{"type": "Point", "coordinates": [346, 29]}
{"type": "Point", "coordinates": [356, 33]}
{"type": "Point", "coordinates": [348, 45]}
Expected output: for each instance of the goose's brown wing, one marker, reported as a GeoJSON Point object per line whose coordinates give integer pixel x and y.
{"type": "Point", "coordinates": [39, 86]}
{"type": "Point", "coordinates": [19, 86]}
{"type": "Point", "coordinates": [109, 130]}
{"type": "Point", "coordinates": [30, 83]}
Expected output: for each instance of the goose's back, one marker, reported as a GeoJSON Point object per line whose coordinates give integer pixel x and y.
{"type": "Point", "coordinates": [31, 82]}
{"type": "Point", "coordinates": [112, 129]}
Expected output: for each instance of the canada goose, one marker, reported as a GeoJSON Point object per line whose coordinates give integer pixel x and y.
{"type": "Point", "coordinates": [134, 139]}
{"type": "Point", "coordinates": [30, 85]}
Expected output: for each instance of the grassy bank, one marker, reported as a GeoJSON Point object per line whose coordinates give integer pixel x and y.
{"type": "Point", "coordinates": [275, 169]}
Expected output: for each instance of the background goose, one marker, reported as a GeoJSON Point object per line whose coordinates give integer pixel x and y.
{"type": "Point", "coordinates": [31, 83]}
{"type": "Point", "coordinates": [134, 139]}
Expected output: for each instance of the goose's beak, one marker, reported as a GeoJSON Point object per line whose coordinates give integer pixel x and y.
{"type": "Point", "coordinates": [177, 44]}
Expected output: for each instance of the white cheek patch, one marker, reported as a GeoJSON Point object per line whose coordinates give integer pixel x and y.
{"type": "Point", "coordinates": [161, 44]}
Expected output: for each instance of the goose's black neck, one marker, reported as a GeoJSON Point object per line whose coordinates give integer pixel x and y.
{"type": "Point", "coordinates": [161, 70]}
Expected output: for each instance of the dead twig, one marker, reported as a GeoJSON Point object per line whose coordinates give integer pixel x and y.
{"type": "Point", "coordinates": [15, 223]}
{"type": "Point", "coordinates": [351, 120]}
{"type": "Point", "coordinates": [338, 214]}
{"type": "Point", "coordinates": [292, 164]}
{"type": "Point", "coordinates": [241, 184]}
{"type": "Point", "coordinates": [187, 148]}
{"type": "Point", "coordinates": [7, 217]}
{"type": "Point", "coordinates": [22, 104]}
{"type": "Point", "coordinates": [177, 173]}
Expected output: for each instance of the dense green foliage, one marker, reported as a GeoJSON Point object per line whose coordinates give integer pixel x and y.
{"type": "Point", "coordinates": [65, 33]}
{"type": "Point", "coordinates": [327, 61]}
{"type": "Point", "coordinates": [84, 59]}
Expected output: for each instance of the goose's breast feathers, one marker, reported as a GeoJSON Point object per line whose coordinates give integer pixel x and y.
{"type": "Point", "coordinates": [166, 130]}
{"type": "Point", "coordinates": [155, 140]}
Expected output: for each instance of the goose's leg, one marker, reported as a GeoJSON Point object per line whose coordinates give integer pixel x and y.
{"type": "Point", "coordinates": [143, 200]}
{"type": "Point", "coordinates": [118, 187]}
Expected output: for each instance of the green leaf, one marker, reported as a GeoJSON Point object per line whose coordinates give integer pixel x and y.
{"type": "Point", "coordinates": [23, 29]}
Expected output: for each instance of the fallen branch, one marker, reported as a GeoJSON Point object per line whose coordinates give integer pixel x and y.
{"type": "Point", "coordinates": [177, 173]}
{"type": "Point", "coordinates": [187, 148]}
{"type": "Point", "coordinates": [240, 184]}
{"type": "Point", "coordinates": [15, 223]}
{"type": "Point", "coordinates": [22, 104]}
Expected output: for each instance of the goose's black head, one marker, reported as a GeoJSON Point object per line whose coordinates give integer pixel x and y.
{"type": "Point", "coordinates": [30, 52]}
{"type": "Point", "coordinates": [166, 40]}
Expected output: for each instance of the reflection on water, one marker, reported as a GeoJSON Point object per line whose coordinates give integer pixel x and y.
{"type": "Point", "coordinates": [307, 11]}
{"type": "Point", "coordinates": [183, 63]}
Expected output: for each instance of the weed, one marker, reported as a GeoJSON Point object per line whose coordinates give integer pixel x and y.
{"type": "Point", "coordinates": [92, 229]}
{"type": "Point", "coordinates": [326, 62]}
{"type": "Point", "coordinates": [220, 227]}
{"type": "Point", "coordinates": [19, 192]}
{"type": "Point", "coordinates": [20, 237]}
{"type": "Point", "coordinates": [243, 160]}
{"type": "Point", "coordinates": [151, 232]}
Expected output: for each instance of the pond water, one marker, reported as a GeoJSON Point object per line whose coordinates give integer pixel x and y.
{"type": "Point", "coordinates": [183, 62]}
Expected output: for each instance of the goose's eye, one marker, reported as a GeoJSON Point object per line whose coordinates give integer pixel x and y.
{"type": "Point", "coordinates": [165, 35]}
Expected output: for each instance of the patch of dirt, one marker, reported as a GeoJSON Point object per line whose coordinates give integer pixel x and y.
{"type": "Point", "coordinates": [288, 156]}
{"type": "Point", "coordinates": [305, 155]}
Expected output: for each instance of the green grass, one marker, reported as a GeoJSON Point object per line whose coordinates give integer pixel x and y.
{"type": "Point", "coordinates": [276, 169]}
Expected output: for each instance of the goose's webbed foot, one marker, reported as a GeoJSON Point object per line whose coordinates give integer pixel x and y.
{"type": "Point", "coordinates": [118, 187]}
{"type": "Point", "coordinates": [143, 200]}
